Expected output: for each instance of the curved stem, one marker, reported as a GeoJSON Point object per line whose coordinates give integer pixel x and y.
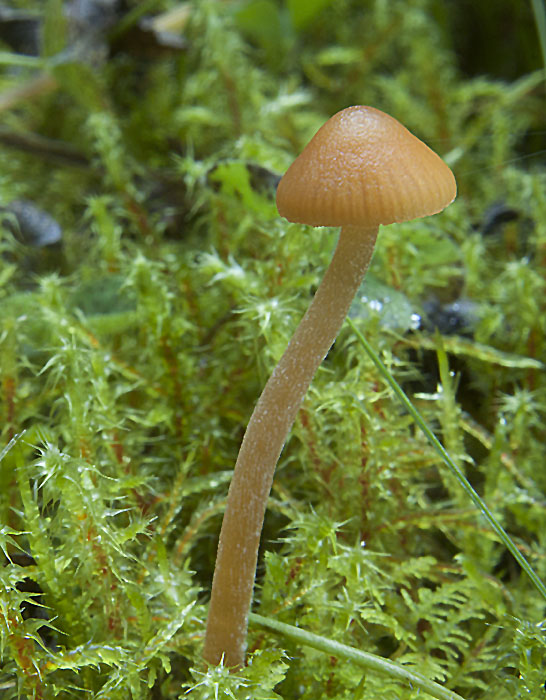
{"type": "Point", "coordinates": [265, 436]}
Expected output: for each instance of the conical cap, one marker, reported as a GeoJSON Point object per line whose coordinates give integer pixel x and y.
{"type": "Point", "coordinates": [363, 168]}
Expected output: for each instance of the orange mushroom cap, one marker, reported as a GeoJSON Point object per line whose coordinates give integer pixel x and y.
{"type": "Point", "coordinates": [363, 168]}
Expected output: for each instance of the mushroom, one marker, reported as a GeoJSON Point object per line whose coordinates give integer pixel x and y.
{"type": "Point", "coordinates": [361, 169]}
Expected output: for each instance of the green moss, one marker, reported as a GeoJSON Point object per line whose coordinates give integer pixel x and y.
{"type": "Point", "coordinates": [131, 356]}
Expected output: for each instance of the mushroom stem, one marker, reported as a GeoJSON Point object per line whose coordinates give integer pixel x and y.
{"type": "Point", "coordinates": [265, 436]}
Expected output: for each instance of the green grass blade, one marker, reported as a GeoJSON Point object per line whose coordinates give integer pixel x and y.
{"type": "Point", "coordinates": [371, 662]}
{"type": "Point", "coordinates": [9, 58]}
{"type": "Point", "coordinates": [437, 445]}
{"type": "Point", "coordinates": [539, 11]}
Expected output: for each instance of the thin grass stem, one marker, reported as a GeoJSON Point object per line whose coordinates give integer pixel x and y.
{"type": "Point", "coordinates": [371, 662]}
{"type": "Point", "coordinates": [454, 468]}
